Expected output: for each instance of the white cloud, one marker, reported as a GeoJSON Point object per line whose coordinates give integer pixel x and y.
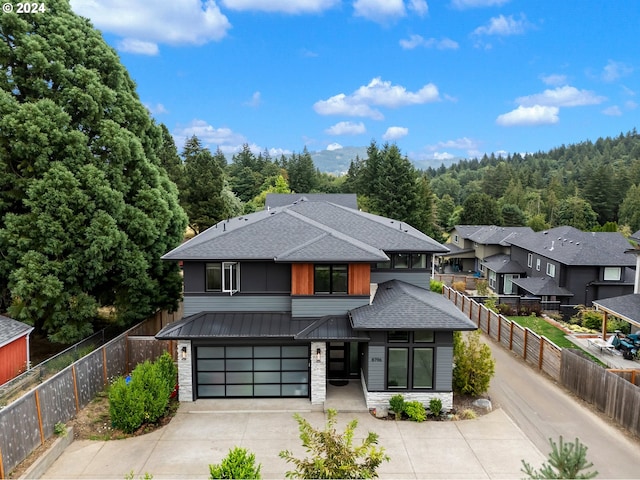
{"type": "Point", "coordinates": [443, 156]}
{"type": "Point", "coordinates": [614, 70]}
{"type": "Point", "coordinates": [612, 111]}
{"type": "Point", "coordinates": [224, 138]}
{"type": "Point", "coordinates": [346, 128]}
{"type": "Point", "coordinates": [140, 47]}
{"type": "Point", "coordinates": [178, 22]}
{"type": "Point", "coordinates": [420, 7]}
{"type": "Point", "coordinates": [157, 109]}
{"type": "Point", "coordinates": [504, 26]}
{"type": "Point", "coordinates": [535, 115]}
{"type": "Point", "coordinates": [381, 11]}
{"type": "Point", "coordinates": [462, 4]}
{"type": "Point", "coordinates": [256, 100]}
{"type": "Point", "coordinates": [555, 79]}
{"type": "Point", "coordinates": [566, 96]}
{"type": "Point", "coordinates": [415, 41]}
{"type": "Point", "coordinates": [394, 133]}
{"type": "Point", "coordinates": [377, 93]}
{"type": "Point", "coordinates": [334, 146]}
{"type": "Point", "coordinates": [630, 105]}
{"type": "Point", "coordinates": [284, 6]}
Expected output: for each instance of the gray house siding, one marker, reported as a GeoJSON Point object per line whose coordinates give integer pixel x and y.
{"type": "Point", "coordinates": [376, 364]}
{"type": "Point", "coordinates": [444, 373]}
{"type": "Point", "coordinates": [318, 306]}
{"type": "Point", "coordinates": [419, 278]}
{"type": "Point", "coordinates": [237, 303]}
{"type": "Point", "coordinates": [255, 277]}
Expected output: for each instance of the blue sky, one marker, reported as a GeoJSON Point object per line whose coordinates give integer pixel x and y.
{"type": "Point", "coordinates": [441, 79]}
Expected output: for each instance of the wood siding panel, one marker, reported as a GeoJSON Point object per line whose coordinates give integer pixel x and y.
{"type": "Point", "coordinates": [13, 359]}
{"type": "Point", "coordinates": [301, 279]}
{"type": "Point", "coordinates": [359, 278]}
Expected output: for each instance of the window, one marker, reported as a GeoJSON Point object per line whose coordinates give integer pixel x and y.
{"type": "Point", "coordinates": [223, 277]}
{"type": "Point", "coordinates": [330, 279]}
{"type": "Point", "coordinates": [410, 365]}
{"type": "Point", "coordinates": [418, 260]}
{"type": "Point", "coordinates": [455, 239]}
{"type": "Point", "coordinates": [612, 273]}
{"type": "Point", "coordinates": [538, 264]}
{"type": "Point", "coordinates": [492, 279]}
{"type": "Point", "coordinates": [401, 260]}
{"type": "Point", "coordinates": [404, 260]}
{"type": "Point", "coordinates": [551, 269]}
{"type": "Point", "coordinates": [529, 260]}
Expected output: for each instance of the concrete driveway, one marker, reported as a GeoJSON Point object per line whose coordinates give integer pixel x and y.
{"type": "Point", "coordinates": [202, 433]}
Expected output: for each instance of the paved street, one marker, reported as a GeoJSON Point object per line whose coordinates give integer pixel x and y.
{"type": "Point", "coordinates": [543, 410]}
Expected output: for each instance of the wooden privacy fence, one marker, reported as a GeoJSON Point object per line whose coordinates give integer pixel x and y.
{"type": "Point", "coordinates": [611, 393]}
{"type": "Point", "coordinates": [450, 278]}
{"type": "Point", "coordinates": [535, 349]}
{"type": "Point", "coordinates": [29, 421]}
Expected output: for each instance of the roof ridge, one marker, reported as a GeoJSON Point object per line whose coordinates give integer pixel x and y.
{"type": "Point", "coordinates": [305, 244]}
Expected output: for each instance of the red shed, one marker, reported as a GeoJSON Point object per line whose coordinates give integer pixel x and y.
{"type": "Point", "coordinates": [14, 348]}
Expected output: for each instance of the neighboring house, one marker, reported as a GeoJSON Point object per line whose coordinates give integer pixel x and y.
{"type": "Point", "coordinates": [280, 302]}
{"type": "Point", "coordinates": [273, 200]}
{"type": "Point", "coordinates": [14, 348]}
{"type": "Point", "coordinates": [625, 307]}
{"type": "Point", "coordinates": [470, 246]}
{"type": "Point", "coordinates": [565, 265]}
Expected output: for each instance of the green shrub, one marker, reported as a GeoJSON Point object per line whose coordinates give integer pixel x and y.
{"type": "Point", "coordinates": [60, 429]}
{"type": "Point", "coordinates": [459, 286]}
{"type": "Point", "coordinates": [615, 324]}
{"type": "Point", "coordinates": [435, 406]}
{"type": "Point", "coordinates": [591, 319]}
{"type": "Point", "coordinates": [490, 303]}
{"type": "Point", "coordinates": [566, 460]}
{"type": "Point", "coordinates": [415, 411]}
{"type": "Point", "coordinates": [125, 408]}
{"type": "Point", "coordinates": [482, 287]}
{"type": "Point", "coordinates": [435, 286]}
{"type": "Point", "coordinates": [397, 404]}
{"type": "Point", "coordinates": [473, 364]}
{"type": "Point", "coordinates": [151, 388]}
{"type": "Point", "coordinates": [505, 309]}
{"type": "Point", "coordinates": [333, 454]}
{"type": "Point", "coordinates": [239, 463]}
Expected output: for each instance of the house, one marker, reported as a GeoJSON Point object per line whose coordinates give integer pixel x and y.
{"type": "Point", "coordinates": [14, 348]}
{"type": "Point", "coordinates": [273, 200]}
{"type": "Point", "coordinates": [565, 265]}
{"type": "Point", "coordinates": [471, 245]}
{"type": "Point", "coordinates": [279, 302]}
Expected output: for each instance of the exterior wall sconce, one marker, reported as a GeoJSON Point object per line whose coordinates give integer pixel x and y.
{"type": "Point", "coordinates": [318, 355]}
{"type": "Point", "coordinates": [183, 353]}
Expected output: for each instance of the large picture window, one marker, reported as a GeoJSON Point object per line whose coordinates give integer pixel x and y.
{"type": "Point", "coordinates": [223, 277]}
{"type": "Point", "coordinates": [330, 279]}
{"type": "Point", "coordinates": [423, 368]}
{"type": "Point", "coordinates": [410, 366]}
{"type": "Point", "coordinates": [398, 368]}
{"type": "Point", "coordinates": [612, 273]}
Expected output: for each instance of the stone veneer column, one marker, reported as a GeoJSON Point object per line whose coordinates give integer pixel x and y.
{"type": "Point", "coordinates": [318, 373]}
{"type": "Point", "coordinates": [185, 373]}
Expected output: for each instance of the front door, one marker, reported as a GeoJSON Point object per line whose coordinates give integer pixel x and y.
{"type": "Point", "coordinates": [508, 283]}
{"type": "Point", "coordinates": [343, 360]}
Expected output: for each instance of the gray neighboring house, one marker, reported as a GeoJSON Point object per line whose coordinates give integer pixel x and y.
{"type": "Point", "coordinates": [566, 266]}
{"type": "Point", "coordinates": [273, 200]}
{"type": "Point", "coordinates": [282, 301]}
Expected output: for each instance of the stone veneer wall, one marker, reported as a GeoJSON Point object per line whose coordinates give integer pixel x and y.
{"type": "Point", "coordinates": [318, 373]}
{"type": "Point", "coordinates": [381, 399]}
{"type": "Point", "coordinates": [185, 373]}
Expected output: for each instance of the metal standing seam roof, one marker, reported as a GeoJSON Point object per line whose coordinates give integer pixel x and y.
{"type": "Point", "coordinates": [306, 231]}
{"type": "Point", "coordinates": [399, 305]}
{"type": "Point", "coordinates": [11, 330]}
{"type": "Point", "coordinates": [332, 327]}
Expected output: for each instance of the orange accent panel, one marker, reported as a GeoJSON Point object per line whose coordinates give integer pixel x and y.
{"type": "Point", "coordinates": [301, 279]}
{"type": "Point", "coordinates": [359, 278]}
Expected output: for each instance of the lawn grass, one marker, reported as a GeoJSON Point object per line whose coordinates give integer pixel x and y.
{"type": "Point", "coordinates": [542, 327]}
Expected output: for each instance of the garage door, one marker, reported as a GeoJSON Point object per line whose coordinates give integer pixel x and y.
{"type": "Point", "coordinates": [252, 371]}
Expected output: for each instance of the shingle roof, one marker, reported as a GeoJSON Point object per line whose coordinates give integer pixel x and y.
{"type": "Point", "coordinates": [306, 231]}
{"type": "Point", "coordinates": [501, 263]}
{"type": "Point", "coordinates": [399, 305]}
{"type": "Point", "coordinates": [11, 330]}
{"type": "Point", "coordinates": [494, 235]}
{"type": "Point", "coordinates": [541, 286]}
{"type": "Point", "coordinates": [207, 325]}
{"type": "Point", "coordinates": [636, 236]}
{"type": "Point", "coordinates": [626, 307]}
{"type": "Point", "coordinates": [348, 200]}
{"type": "Point", "coordinates": [571, 246]}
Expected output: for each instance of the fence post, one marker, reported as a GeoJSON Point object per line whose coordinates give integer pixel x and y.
{"type": "Point", "coordinates": [39, 417]}
{"type": "Point", "coordinates": [489, 327]}
{"type": "Point", "coordinates": [499, 328]}
{"type": "Point", "coordinates": [1, 465]}
{"type": "Point", "coordinates": [481, 306]}
{"type": "Point", "coordinates": [524, 350]}
{"type": "Point", "coordinates": [511, 336]}
{"type": "Point", "coordinates": [104, 366]}
{"type": "Point", "coordinates": [541, 353]}
{"type": "Point", "coordinates": [75, 387]}
{"type": "Point", "coordinates": [463, 299]}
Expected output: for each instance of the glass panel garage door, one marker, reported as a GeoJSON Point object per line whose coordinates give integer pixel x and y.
{"type": "Point", "coordinates": [252, 371]}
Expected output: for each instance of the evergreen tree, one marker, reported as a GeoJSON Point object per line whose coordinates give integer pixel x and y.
{"type": "Point", "coordinates": [87, 208]}
{"type": "Point", "coordinates": [512, 216]}
{"type": "Point", "coordinates": [302, 172]}
{"type": "Point", "coordinates": [576, 212]}
{"type": "Point", "coordinates": [480, 209]}
{"type": "Point", "coordinates": [630, 208]}
{"type": "Point", "coordinates": [204, 179]}
{"type": "Point", "coordinates": [566, 460]}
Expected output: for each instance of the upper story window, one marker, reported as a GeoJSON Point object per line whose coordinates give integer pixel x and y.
{"type": "Point", "coordinates": [612, 273]}
{"type": "Point", "coordinates": [455, 239]}
{"type": "Point", "coordinates": [551, 269]}
{"type": "Point", "coordinates": [538, 264]}
{"type": "Point", "coordinates": [329, 279]}
{"type": "Point", "coordinates": [529, 260]}
{"type": "Point", "coordinates": [404, 261]}
{"type": "Point", "coordinates": [223, 277]}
